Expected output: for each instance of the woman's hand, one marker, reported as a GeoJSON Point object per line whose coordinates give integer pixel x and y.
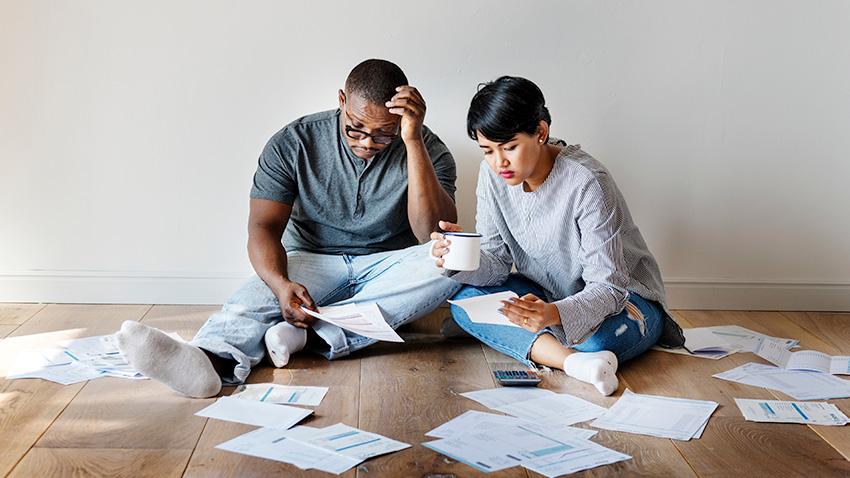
{"type": "Point", "coordinates": [441, 245]}
{"type": "Point", "coordinates": [531, 313]}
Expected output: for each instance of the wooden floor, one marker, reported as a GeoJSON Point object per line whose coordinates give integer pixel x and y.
{"type": "Point", "coordinates": [114, 427]}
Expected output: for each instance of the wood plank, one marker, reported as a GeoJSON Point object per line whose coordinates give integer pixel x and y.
{"type": "Point", "coordinates": [29, 406]}
{"type": "Point", "coordinates": [119, 413]}
{"type": "Point", "coordinates": [17, 314]}
{"type": "Point", "coordinates": [729, 439]}
{"type": "Point", "coordinates": [407, 390]}
{"type": "Point", "coordinates": [113, 463]}
{"type": "Point", "coordinates": [651, 456]}
{"type": "Point", "coordinates": [6, 329]}
{"type": "Point", "coordinates": [339, 405]}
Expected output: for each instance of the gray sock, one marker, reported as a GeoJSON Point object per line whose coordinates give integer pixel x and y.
{"type": "Point", "coordinates": [181, 366]}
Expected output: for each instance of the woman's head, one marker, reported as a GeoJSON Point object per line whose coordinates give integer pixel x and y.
{"type": "Point", "coordinates": [509, 120]}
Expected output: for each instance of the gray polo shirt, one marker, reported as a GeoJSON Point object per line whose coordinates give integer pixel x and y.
{"type": "Point", "coordinates": [342, 204]}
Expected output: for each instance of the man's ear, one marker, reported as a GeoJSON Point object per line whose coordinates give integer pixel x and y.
{"type": "Point", "coordinates": [341, 98]}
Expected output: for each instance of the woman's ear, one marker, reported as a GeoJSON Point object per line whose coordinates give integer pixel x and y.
{"type": "Point", "coordinates": [542, 132]}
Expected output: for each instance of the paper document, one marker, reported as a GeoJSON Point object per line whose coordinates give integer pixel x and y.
{"type": "Point", "coordinates": [484, 309]}
{"type": "Point", "coordinates": [588, 455]}
{"type": "Point", "coordinates": [332, 449]}
{"type": "Point", "coordinates": [514, 445]}
{"type": "Point", "coordinates": [259, 414]}
{"type": "Point", "coordinates": [281, 445]}
{"type": "Point", "coordinates": [745, 339]}
{"type": "Point", "coordinates": [799, 384]}
{"type": "Point", "coordinates": [362, 319]}
{"type": "Point", "coordinates": [774, 352]}
{"type": "Point", "coordinates": [666, 417]}
{"type": "Point", "coordinates": [475, 421]}
{"type": "Point", "coordinates": [288, 394]}
{"type": "Point", "coordinates": [815, 413]}
{"type": "Point", "coordinates": [722, 340]}
{"type": "Point", "coordinates": [497, 397]}
{"type": "Point", "coordinates": [703, 341]}
{"type": "Point", "coordinates": [554, 408]}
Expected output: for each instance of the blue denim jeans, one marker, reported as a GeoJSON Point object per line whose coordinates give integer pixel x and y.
{"type": "Point", "coordinates": [623, 334]}
{"type": "Point", "coordinates": [405, 284]}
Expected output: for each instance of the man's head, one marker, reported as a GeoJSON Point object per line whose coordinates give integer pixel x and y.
{"type": "Point", "coordinates": [367, 124]}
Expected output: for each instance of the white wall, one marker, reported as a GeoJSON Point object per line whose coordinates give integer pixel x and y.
{"type": "Point", "coordinates": [129, 131]}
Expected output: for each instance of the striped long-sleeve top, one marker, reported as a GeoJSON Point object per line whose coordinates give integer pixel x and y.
{"type": "Point", "coordinates": [573, 236]}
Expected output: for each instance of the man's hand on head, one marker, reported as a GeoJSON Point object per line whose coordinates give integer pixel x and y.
{"type": "Point", "coordinates": [409, 104]}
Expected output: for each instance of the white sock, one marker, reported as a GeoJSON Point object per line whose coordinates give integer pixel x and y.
{"type": "Point", "coordinates": [596, 368]}
{"type": "Point", "coordinates": [282, 340]}
{"type": "Point", "coordinates": [183, 367]}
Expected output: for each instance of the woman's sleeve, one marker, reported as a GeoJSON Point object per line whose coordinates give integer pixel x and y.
{"type": "Point", "coordinates": [604, 268]}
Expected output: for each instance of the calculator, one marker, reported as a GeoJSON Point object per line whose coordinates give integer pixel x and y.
{"type": "Point", "coordinates": [517, 378]}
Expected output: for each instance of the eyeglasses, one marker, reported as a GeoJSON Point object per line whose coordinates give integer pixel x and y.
{"type": "Point", "coordinates": [361, 135]}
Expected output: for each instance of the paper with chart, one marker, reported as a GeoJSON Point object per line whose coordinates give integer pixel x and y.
{"type": "Point", "coordinates": [747, 340]}
{"type": "Point", "coordinates": [281, 445]}
{"type": "Point", "coordinates": [362, 319]}
{"type": "Point", "coordinates": [511, 446]}
{"type": "Point", "coordinates": [287, 394]}
{"type": "Point", "coordinates": [484, 309]}
{"type": "Point", "coordinates": [259, 414]}
{"type": "Point", "coordinates": [666, 417]}
{"type": "Point", "coordinates": [799, 384]}
{"type": "Point", "coordinates": [814, 413]}
{"type": "Point", "coordinates": [76, 360]}
{"type": "Point", "coordinates": [332, 449]}
{"type": "Point", "coordinates": [475, 421]}
{"type": "Point", "coordinates": [774, 352]}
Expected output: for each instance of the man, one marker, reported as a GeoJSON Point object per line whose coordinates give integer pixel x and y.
{"type": "Point", "coordinates": [352, 192]}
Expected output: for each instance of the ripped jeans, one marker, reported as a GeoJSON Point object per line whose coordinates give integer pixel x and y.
{"type": "Point", "coordinates": [627, 334]}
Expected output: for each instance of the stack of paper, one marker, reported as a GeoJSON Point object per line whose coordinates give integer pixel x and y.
{"type": "Point", "coordinates": [77, 360]}
{"type": "Point", "coordinates": [362, 319]}
{"type": "Point", "coordinates": [801, 385]}
{"type": "Point", "coordinates": [333, 449]}
{"type": "Point", "coordinates": [813, 413]}
{"type": "Point", "coordinates": [666, 417]}
{"type": "Point", "coordinates": [274, 393]}
{"type": "Point", "coordinates": [489, 442]}
{"type": "Point", "coordinates": [774, 352]}
{"type": "Point", "coordinates": [723, 340]}
{"type": "Point", "coordinates": [250, 412]}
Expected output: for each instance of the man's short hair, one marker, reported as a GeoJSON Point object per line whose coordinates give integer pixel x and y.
{"type": "Point", "coordinates": [375, 80]}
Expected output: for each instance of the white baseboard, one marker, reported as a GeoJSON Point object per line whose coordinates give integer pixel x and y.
{"type": "Point", "coordinates": [92, 287]}
{"type": "Point", "coordinates": [757, 295]}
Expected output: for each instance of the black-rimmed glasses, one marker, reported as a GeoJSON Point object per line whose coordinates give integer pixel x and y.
{"type": "Point", "coordinates": [361, 135]}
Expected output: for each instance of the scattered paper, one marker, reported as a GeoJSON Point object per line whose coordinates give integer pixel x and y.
{"type": "Point", "coordinates": [554, 408]}
{"type": "Point", "coordinates": [497, 397]}
{"type": "Point", "coordinates": [722, 340]}
{"type": "Point", "coordinates": [510, 446]}
{"type": "Point", "coordinates": [475, 421]}
{"type": "Point", "coordinates": [362, 319]}
{"type": "Point", "coordinates": [287, 394]}
{"type": "Point", "coordinates": [484, 309]}
{"type": "Point", "coordinates": [814, 413]}
{"type": "Point", "coordinates": [259, 414]}
{"type": "Point", "coordinates": [747, 340]}
{"type": "Point", "coordinates": [332, 449]}
{"type": "Point", "coordinates": [702, 341]}
{"type": "Point", "coordinates": [800, 385]}
{"type": "Point", "coordinates": [774, 352]}
{"type": "Point", "coordinates": [584, 457]}
{"type": "Point", "coordinates": [666, 417]}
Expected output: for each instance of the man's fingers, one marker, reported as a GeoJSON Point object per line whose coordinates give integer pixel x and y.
{"type": "Point", "coordinates": [305, 299]}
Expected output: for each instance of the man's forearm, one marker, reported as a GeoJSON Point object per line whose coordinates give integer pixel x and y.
{"type": "Point", "coordinates": [268, 257]}
{"type": "Point", "coordinates": [427, 201]}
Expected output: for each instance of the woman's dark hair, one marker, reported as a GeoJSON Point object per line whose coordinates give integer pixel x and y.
{"type": "Point", "coordinates": [503, 108]}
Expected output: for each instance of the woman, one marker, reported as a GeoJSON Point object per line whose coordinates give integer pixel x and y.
{"type": "Point", "coordinates": [590, 291]}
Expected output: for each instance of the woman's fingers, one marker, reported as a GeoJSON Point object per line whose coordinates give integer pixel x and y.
{"type": "Point", "coordinates": [450, 226]}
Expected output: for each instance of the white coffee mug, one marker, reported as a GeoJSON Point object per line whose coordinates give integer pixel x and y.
{"type": "Point", "coordinates": [464, 251]}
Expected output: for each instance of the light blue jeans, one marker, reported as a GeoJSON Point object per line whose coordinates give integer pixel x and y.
{"type": "Point", "coordinates": [638, 335]}
{"type": "Point", "coordinates": [405, 284]}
